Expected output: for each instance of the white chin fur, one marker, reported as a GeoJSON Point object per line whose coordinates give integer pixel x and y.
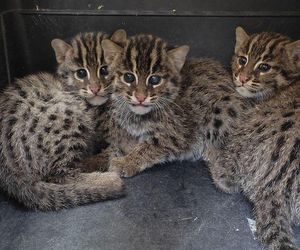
{"type": "Point", "coordinates": [97, 100]}
{"type": "Point", "coordinates": [140, 110]}
{"type": "Point", "coordinates": [245, 92]}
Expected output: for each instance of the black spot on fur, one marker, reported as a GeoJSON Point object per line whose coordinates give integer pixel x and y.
{"type": "Point", "coordinates": [56, 131]}
{"type": "Point", "coordinates": [217, 123]}
{"type": "Point", "coordinates": [208, 135]}
{"type": "Point", "coordinates": [295, 150]}
{"type": "Point", "coordinates": [52, 117]}
{"type": "Point", "coordinates": [67, 124]}
{"type": "Point", "coordinates": [76, 135]}
{"type": "Point", "coordinates": [288, 114]}
{"type": "Point", "coordinates": [69, 112]}
{"type": "Point", "coordinates": [261, 129]}
{"type": "Point", "coordinates": [274, 132]}
{"type": "Point", "coordinates": [155, 141]}
{"type": "Point", "coordinates": [232, 113]}
{"type": "Point", "coordinates": [279, 144]}
{"type": "Point", "coordinates": [217, 110]}
{"type": "Point", "coordinates": [46, 98]}
{"type": "Point", "coordinates": [47, 129]}
{"type": "Point", "coordinates": [287, 125]}
{"type": "Point", "coordinates": [12, 121]}
{"type": "Point", "coordinates": [27, 153]}
{"type": "Point", "coordinates": [23, 94]}
{"type": "Point", "coordinates": [31, 103]}
{"type": "Point", "coordinates": [33, 125]}
{"type": "Point", "coordinates": [40, 138]}
{"type": "Point", "coordinates": [59, 149]}
{"type": "Point", "coordinates": [25, 116]}
{"type": "Point", "coordinates": [43, 109]}
{"type": "Point", "coordinates": [226, 98]}
{"type": "Point", "coordinates": [82, 128]}
{"type": "Point", "coordinates": [175, 141]}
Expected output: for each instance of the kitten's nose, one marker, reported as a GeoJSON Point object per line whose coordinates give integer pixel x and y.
{"type": "Point", "coordinates": [243, 78]}
{"type": "Point", "coordinates": [94, 88]}
{"type": "Point", "coordinates": [140, 97]}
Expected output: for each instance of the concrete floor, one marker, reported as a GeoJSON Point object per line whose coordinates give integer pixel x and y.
{"type": "Point", "coordinates": [167, 207]}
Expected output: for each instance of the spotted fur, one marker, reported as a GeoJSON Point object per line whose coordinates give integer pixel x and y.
{"type": "Point", "coordinates": [47, 126]}
{"type": "Point", "coordinates": [180, 112]}
{"type": "Point", "coordinates": [264, 63]}
{"type": "Point", "coordinates": [262, 158]}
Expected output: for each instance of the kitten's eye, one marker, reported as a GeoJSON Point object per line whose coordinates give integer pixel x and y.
{"type": "Point", "coordinates": [263, 67]}
{"type": "Point", "coordinates": [104, 71]}
{"type": "Point", "coordinates": [129, 78]}
{"type": "Point", "coordinates": [242, 60]}
{"type": "Point", "coordinates": [81, 74]}
{"type": "Point", "coordinates": [154, 80]}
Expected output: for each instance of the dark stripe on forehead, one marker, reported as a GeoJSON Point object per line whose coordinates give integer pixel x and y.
{"type": "Point", "coordinates": [156, 67]}
{"type": "Point", "coordinates": [79, 52]}
{"type": "Point", "coordinates": [90, 45]}
{"type": "Point", "coordinates": [150, 49]}
{"type": "Point", "coordinates": [260, 45]}
{"type": "Point", "coordinates": [128, 62]}
{"type": "Point", "coordinates": [143, 59]}
{"type": "Point", "coordinates": [275, 43]}
{"type": "Point", "coordinates": [102, 37]}
{"type": "Point", "coordinates": [94, 37]}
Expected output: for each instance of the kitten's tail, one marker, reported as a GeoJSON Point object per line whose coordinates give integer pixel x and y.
{"type": "Point", "coordinates": [88, 187]}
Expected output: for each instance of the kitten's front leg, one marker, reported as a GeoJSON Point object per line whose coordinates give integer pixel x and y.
{"type": "Point", "coordinates": [99, 162]}
{"type": "Point", "coordinates": [143, 156]}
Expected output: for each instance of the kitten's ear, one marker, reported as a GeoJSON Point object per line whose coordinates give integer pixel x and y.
{"type": "Point", "coordinates": [110, 50]}
{"type": "Point", "coordinates": [293, 51]}
{"type": "Point", "coordinates": [178, 55]}
{"type": "Point", "coordinates": [60, 48]}
{"type": "Point", "coordinates": [240, 37]}
{"type": "Point", "coordinates": [119, 37]}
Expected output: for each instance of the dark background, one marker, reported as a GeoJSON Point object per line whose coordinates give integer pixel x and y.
{"type": "Point", "coordinates": [168, 207]}
{"type": "Point", "coordinates": [207, 26]}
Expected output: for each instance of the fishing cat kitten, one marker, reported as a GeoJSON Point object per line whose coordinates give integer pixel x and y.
{"type": "Point", "coordinates": [162, 110]}
{"type": "Point", "coordinates": [47, 124]}
{"type": "Point", "coordinates": [262, 156]}
{"type": "Point", "coordinates": [264, 63]}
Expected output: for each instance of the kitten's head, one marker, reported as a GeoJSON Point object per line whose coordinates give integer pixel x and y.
{"type": "Point", "coordinates": [146, 72]}
{"type": "Point", "coordinates": [264, 63]}
{"type": "Point", "coordinates": [81, 63]}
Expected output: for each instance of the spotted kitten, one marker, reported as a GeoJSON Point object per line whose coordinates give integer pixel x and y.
{"type": "Point", "coordinates": [264, 63]}
{"type": "Point", "coordinates": [47, 124]}
{"type": "Point", "coordinates": [161, 109]}
{"type": "Point", "coordinates": [262, 156]}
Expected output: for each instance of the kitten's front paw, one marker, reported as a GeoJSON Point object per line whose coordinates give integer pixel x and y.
{"type": "Point", "coordinates": [121, 166]}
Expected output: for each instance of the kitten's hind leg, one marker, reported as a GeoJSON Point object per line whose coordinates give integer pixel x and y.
{"type": "Point", "coordinates": [223, 175]}
{"type": "Point", "coordinates": [274, 224]}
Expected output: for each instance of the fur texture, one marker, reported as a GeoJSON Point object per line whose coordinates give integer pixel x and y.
{"type": "Point", "coordinates": [264, 63]}
{"type": "Point", "coordinates": [47, 125]}
{"type": "Point", "coordinates": [162, 110]}
{"type": "Point", "coordinates": [262, 156]}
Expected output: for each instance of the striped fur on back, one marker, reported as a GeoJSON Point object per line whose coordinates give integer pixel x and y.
{"type": "Point", "coordinates": [264, 63]}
